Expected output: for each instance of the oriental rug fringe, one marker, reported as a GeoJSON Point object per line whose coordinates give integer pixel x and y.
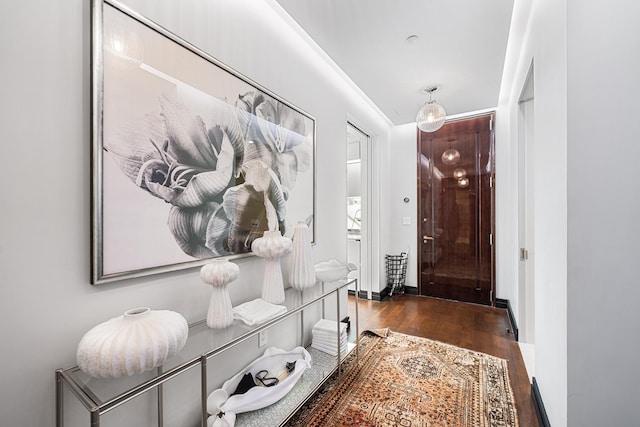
{"type": "Point", "coordinates": [402, 380]}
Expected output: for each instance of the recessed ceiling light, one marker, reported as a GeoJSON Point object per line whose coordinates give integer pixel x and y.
{"type": "Point", "coordinates": [411, 39]}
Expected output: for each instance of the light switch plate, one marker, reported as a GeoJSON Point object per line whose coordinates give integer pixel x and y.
{"type": "Point", "coordinates": [262, 338]}
{"type": "Point", "coordinates": [406, 220]}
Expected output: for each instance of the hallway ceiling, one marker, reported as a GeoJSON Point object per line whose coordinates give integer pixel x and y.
{"type": "Point", "coordinates": [460, 47]}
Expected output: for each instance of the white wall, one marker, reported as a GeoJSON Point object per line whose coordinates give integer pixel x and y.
{"type": "Point", "coordinates": [46, 301]}
{"type": "Point", "coordinates": [403, 183]}
{"type": "Point", "coordinates": [604, 211]}
{"type": "Point", "coordinates": [539, 34]}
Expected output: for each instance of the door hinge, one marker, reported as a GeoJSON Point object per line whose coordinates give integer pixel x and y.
{"type": "Point", "coordinates": [490, 239]}
{"type": "Point", "coordinates": [491, 123]}
{"type": "Point", "coordinates": [524, 254]}
{"type": "Point", "coordinates": [491, 181]}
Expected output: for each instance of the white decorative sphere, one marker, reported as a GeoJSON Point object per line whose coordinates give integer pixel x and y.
{"type": "Point", "coordinates": [137, 341]}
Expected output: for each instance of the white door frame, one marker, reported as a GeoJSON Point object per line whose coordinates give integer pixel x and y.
{"type": "Point", "coordinates": [526, 211]}
{"type": "Point", "coordinates": [366, 232]}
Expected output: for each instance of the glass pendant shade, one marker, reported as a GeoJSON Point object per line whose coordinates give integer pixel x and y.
{"type": "Point", "coordinates": [463, 182]}
{"type": "Point", "coordinates": [431, 117]}
{"type": "Point", "coordinates": [450, 156]}
{"type": "Point", "coordinates": [459, 173]}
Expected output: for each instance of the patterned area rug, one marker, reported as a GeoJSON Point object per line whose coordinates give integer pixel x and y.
{"type": "Point", "coordinates": [402, 380]}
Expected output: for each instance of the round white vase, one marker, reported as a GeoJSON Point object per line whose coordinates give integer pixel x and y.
{"type": "Point", "coordinates": [302, 274]}
{"type": "Point", "coordinates": [272, 246]}
{"type": "Point", "coordinates": [137, 341]}
{"type": "Point", "coordinates": [219, 273]}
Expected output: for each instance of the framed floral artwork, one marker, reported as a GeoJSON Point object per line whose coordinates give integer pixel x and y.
{"type": "Point", "coordinates": [191, 160]}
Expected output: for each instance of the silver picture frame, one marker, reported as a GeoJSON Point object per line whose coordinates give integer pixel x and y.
{"type": "Point", "coordinates": [191, 160]}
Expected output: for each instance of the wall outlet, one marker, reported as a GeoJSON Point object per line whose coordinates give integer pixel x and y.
{"type": "Point", "coordinates": [262, 338]}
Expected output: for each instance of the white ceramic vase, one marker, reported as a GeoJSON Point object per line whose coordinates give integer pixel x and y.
{"type": "Point", "coordinates": [137, 341]}
{"type": "Point", "coordinates": [302, 274]}
{"type": "Point", "coordinates": [272, 246]}
{"type": "Point", "coordinates": [219, 273]}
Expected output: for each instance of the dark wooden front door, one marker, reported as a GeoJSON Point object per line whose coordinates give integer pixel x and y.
{"type": "Point", "coordinates": [455, 175]}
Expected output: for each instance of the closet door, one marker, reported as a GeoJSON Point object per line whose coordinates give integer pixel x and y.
{"type": "Point", "coordinates": [455, 211]}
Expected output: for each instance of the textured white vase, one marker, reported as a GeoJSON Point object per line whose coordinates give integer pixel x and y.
{"type": "Point", "coordinates": [137, 341]}
{"type": "Point", "coordinates": [302, 274]}
{"type": "Point", "coordinates": [219, 273]}
{"type": "Point", "coordinates": [272, 246]}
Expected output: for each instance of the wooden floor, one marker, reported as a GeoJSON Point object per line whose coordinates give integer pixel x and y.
{"type": "Point", "coordinates": [471, 326]}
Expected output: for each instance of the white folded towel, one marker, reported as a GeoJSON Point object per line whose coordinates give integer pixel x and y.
{"type": "Point", "coordinates": [331, 326]}
{"type": "Point", "coordinates": [329, 342]}
{"type": "Point", "coordinates": [325, 334]}
{"type": "Point", "coordinates": [330, 350]}
{"type": "Point", "coordinates": [328, 338]}
{"type": "Point", "coordinates": [257, 311]}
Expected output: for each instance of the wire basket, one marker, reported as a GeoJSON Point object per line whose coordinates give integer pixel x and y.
{"type": "Point", "coordinates": [396, 272]}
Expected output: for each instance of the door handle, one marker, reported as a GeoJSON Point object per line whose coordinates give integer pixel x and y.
{"type": "Point", "coordinates": [425, 238]}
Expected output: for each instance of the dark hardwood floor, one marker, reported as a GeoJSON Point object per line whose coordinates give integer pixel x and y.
{"type": "Point", "coordinates": [476, 327]}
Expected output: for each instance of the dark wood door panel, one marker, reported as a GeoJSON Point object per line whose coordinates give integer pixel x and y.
{"type": "Point", "coordinates": [456, 219]}
{"type": "Point", "coordinates": [458, 290]}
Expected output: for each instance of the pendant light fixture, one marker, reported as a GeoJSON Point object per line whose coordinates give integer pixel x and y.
{"type": "Point", "coordinates": [431, 115]}
{"type": "Point", "coordinates": [459, 173]}
{"type": "Point", "coordinates": [451, 156]}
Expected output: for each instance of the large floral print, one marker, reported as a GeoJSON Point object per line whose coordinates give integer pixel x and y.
{"type": "Point", "coordinates": [191, 160]}
{"type": "Point", "coordinates": [224, 183]}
